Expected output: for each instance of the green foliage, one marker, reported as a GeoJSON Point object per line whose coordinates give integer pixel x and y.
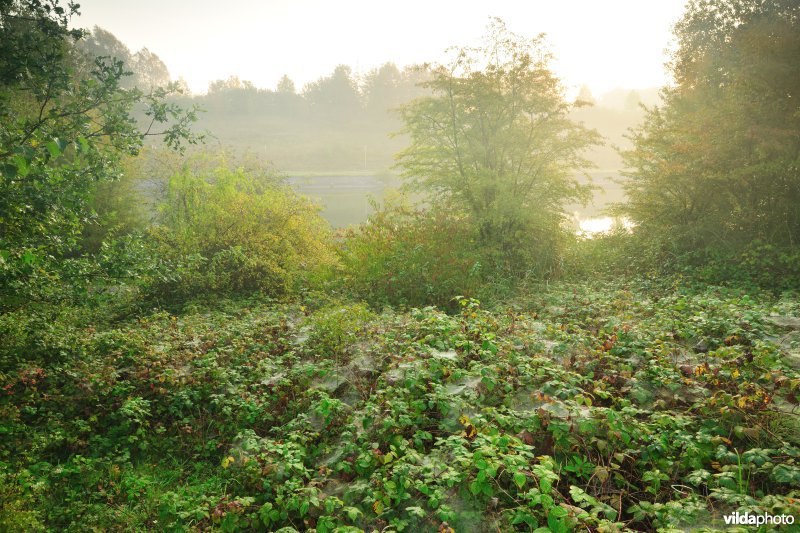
{"type": "Point", "coordinates": [757, 265]}
{"type": "Point", "coordinates": [334, 328]}
{"type": "Point", "coordinates": [229, 231]}
{"type": "Point", "coordinates": [405, 256]}
{"type": "Point", "coordinates": [494, 143]}
{"type": "Point", "coordinates": [585, 406]}
{"type": "Point", "coordinates": [635, 404]}
{"type": "Point", "coordinates": [119, 207]}
{"type": "Point", "coordinates": [715, 167]}
{"type": "Point", "coordinates": [64, 125]}
{"type": "Point", "coordinates": [753, 267]}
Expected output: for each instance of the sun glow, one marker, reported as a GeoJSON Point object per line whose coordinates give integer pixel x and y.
{"type": "Point", "coordinates": [604, 45]}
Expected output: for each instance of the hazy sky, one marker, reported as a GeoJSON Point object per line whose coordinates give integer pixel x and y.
{"type": "Point", "coordinates": [602, 43]}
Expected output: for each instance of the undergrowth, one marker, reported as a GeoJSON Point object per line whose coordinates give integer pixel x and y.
{"type": "Point", "coordinates": [578, 406]}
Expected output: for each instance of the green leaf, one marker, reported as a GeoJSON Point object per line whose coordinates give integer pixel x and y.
{"type": "Point", "coordinates": [54, 148]}
{"type": "Point", "coordinates": [555, 520]}
{"type": "Point", "coordinates": [352, 513]}
{"type": "Point", "coordinates": [520, 479]}
{"type": "Point", "coordinates": [29, 258]}
{"type": "Point", "coordinates": [475, 487]}
{"type": "Point", "coordinates": [419, 512]}
{"type": "Point", "coordinates": [264, 513]}
{"type": "Point", "coordinates": [23, 169]}
{"type": "Point", "coordinates": [784, 473]}
{"type": "Point", "coordinates": [9, 171]}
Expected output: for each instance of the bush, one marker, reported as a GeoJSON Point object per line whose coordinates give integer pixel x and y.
{"type": "Point", "coordinates": [233, 232]}
{"type": "Point", "coordinates": [334, 328]}
{"type": "Point", "coordinates": [754, 266]}
{"type": "Point", "coordinates": [758, 265]}
{"type": "Point", "coordinates": [403, 256]}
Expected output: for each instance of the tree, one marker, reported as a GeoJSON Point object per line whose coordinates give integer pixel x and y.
{"type": "Point", "coordinates": [286, 85]}
{"type": "Point", "coordinates": [716, 166]}
{"type": "Point", "coordinates": [335, 97]}
{"type": "Point", "coordinates": [494, 142]}
{"type": "Point", "coordinates": [64, 126]}
{"type": "Point", "coordinates": [633, 101]}
{"type": "Point", "coordinates": [100, 43]}
{"type": "Point", "coordinates": [147, 71]}
{"type": "Point", "coordinates": [585, 96]}
{"type": "Point", "coordinates": [233, 83]}
{"type": "Point", "coordinates": [150, 71]}
{"type": "Point", "coordinates": [381, 92]}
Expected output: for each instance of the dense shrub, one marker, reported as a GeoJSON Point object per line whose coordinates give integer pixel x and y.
{"type": "Point", "coordinates": [759, 265]}
{"type": "Point", "coordinates": [415, 257]}
{"type": "Point", "coordinates": [229, 231]}
{"type": "Point", "coordinates": [621, 253]}
{"type": "Point", "coordinates": [411, 257]}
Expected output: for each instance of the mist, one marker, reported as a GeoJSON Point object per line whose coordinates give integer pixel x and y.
{"type": "Point", "coordinates": [358, 267]}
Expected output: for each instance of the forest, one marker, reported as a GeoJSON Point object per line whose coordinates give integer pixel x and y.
{"type": "Point", "coordinates": [188, 344]}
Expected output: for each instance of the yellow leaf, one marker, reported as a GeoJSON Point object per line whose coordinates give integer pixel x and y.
{"type": "Point", "coordinates": [741, 402]}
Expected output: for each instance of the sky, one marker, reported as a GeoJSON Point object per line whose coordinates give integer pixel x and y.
{"type": "Point", "coordinates": [604, 44]}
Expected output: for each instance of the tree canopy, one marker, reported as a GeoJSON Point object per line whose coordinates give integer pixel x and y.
{"type": "Point", "coordinates": [64, 124]}
{"type": "Point", "coordinates": [494, 142]}
{"type": "Point", "coordinates": [717, 165]}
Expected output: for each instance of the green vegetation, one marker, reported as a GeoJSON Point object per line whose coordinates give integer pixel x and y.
{"type": "Point", "coordinates": [65, 124]}
{"type": "Point", "coordinates": [715, 167]}
{"type": "Point", "coordinates": [238, 235]}
{"type": "Point", "coordinates": [494, 144]}
{"type": "Point", "coordinates": [185, 345]}
{"type": "Point", "coordinates": [582, 406]}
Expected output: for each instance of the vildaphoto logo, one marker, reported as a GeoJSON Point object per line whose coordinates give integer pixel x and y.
{"type": "Point", "coordinates": [747, 519]}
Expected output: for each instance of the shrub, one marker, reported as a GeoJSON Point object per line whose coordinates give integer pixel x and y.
{"type": "Point", "coordinates": [758, 265]}
{"type": "Point", "coordinates": [403, 256]}
{"type": "Point", "coordinates": [232, 232]}
{"type": "Point", "coordinates": [334, 328]}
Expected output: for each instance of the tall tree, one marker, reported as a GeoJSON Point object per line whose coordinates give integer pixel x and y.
{"type": "Point", "coordinates": [585, 96]}
{"type": "Point", "coordinates": [286, 85]}
{"type": "Point", "coordinates": [150, 71]}
{"type": "Point", "coordinates": [102, 43]}
{"type": "Point", "coordinates": [381, 90]}
{"type": "Point", "coordinates": [494, 141]}
{"type": "Point", "coordinates": [63, 128]}
{"type": "Point", "coordinates": [717, 165]}
{"type": "Point", "coordinates": [147, 70]}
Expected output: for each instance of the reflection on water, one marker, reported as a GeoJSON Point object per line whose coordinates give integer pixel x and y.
{"type": "Point", "coordinates": [345, 200]}
{"type": "Point", "coordinates": [591, 227]}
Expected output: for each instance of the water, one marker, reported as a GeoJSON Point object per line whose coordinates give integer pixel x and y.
{"type": "Point", "coordinates": [345, 198]}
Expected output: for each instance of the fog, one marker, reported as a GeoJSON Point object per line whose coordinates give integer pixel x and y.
{"type": "Point", "coordinates": [423, 266]}
{"type": "Point", "coordinates": [336, 136]}
{"type": "Point", "coordinates": [617, 43]}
